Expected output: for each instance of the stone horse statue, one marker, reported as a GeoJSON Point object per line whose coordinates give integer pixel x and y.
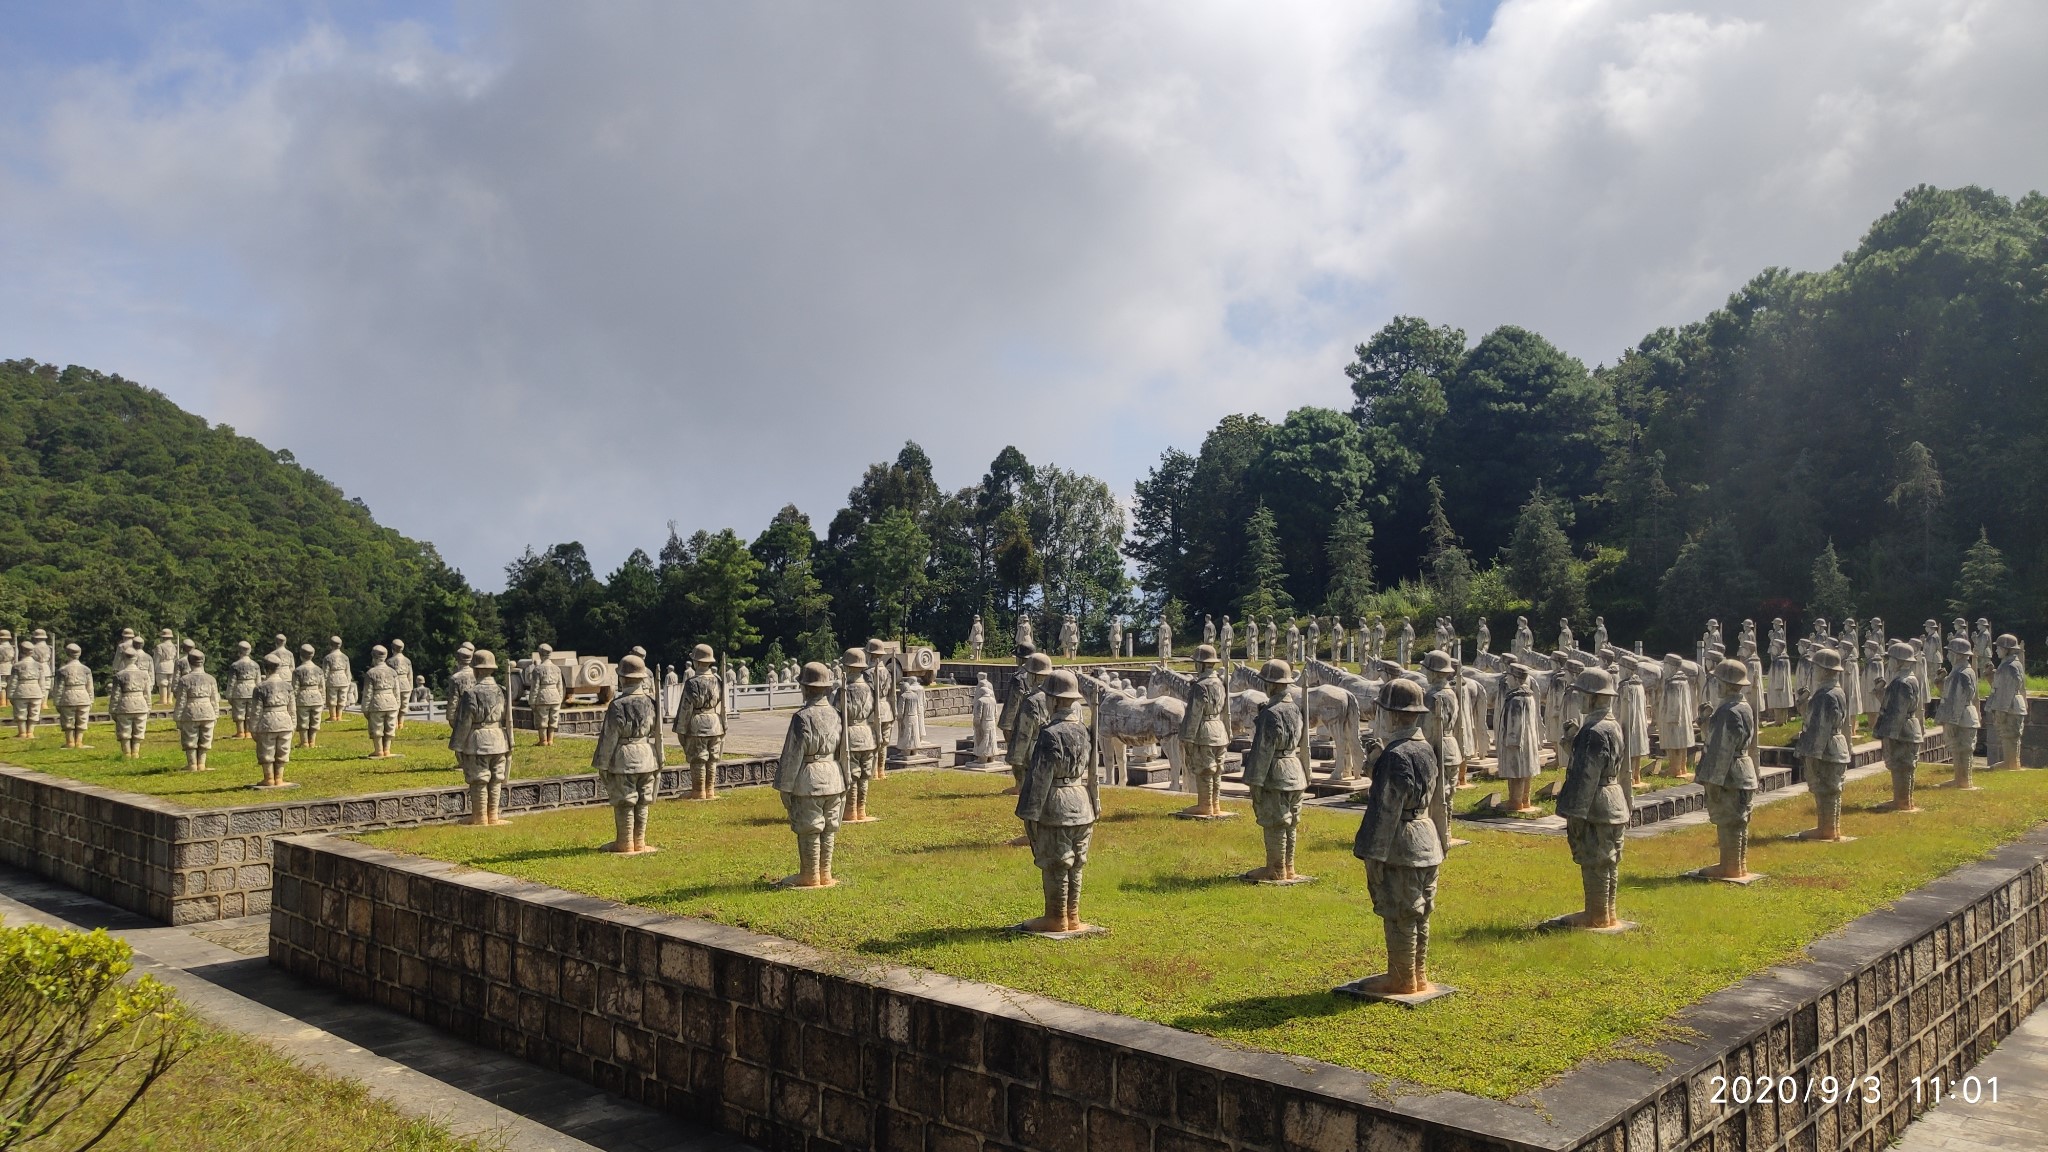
{"type": "Point", "coordinates": [1123, 718]}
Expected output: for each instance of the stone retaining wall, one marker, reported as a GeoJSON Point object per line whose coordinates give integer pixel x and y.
{"type": "Point", "coordinates": [791, 1048]}
{"type": "Point", "coordinates": [184, 865]}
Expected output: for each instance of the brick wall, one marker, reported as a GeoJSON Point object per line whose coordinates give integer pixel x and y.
{"type": "Point", "coordinates": [791, 1048]}
{"type": "Point", "coordinates": [184, 865]}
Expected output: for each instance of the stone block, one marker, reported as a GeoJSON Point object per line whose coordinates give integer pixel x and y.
{"type": "Point", "coordinates": [1313, 1126]}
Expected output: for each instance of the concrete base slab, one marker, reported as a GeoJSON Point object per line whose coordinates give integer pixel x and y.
{"type": "Point", "coordinates": [1358, 990]}
{"type": "Point", "coordinates": [1083, 930]}
{"type": "Point", "coordinates": [1745, 881]}
{"type": "Point", "coordinates": [1206, 815]}
{"type": "Point", "coordinates": [1564, 924]}
{"type": "Point", "coordinates": [1248, 878]}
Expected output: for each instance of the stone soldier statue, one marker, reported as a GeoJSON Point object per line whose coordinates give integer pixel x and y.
{"type": "Point", "coordinates": [854, 701]}
{"type": "Point", "coordinates": [1484, 642]}
{"type": "Point", "coordinates": [545, 692]}
{"type": "Point", "coordinates": [1440, 728]}
{"type": "Point", "coordinates": [1400, 844]}
{"type": "Point", "coordinates": [1314, 639]}
{"type": "Point", "coordinates": [700, 722]}
{"type": "Point", "coordinates": [1274, 773]}
{"type": "Point", "coordinates": [1525, 638]}
{"type": "Point", "coordinates": [480, 728]}
{"type": "Point", "coordinates": [25, 690]}
{"type": "Point", "coordinates": [1163, 637]}
{"type": "Point", "coordinates": [1930, 657]}
{"type": "Point", "coordinates": [986, 712]}
{"type": "Point", "coordinates": [1824, 745]}
{"type": "Point", "coordinates": [1336, 639]}
{"type": "Point", "coordinates": [340, 677]}
{"type": "Point", "coordinates": [1116, 636]}
{"type": "Point", "coordinates": [164, 664]}
{"type": "Point", "coordinates": [1251, 638]}
{"type": "Point", "coordinates": [1728, 771]}
{"type": "Point", "coordinates": [272, 718]}
{"type": "Point", "coordinates": [1631, 712]}
{"type": "Point", "coordinates": [1022, 639]}
{"type": "Point", "coordinates": [1070, 637]}
{"type": "Point", "coordinates": [1226, 637]}
{"type": "Point", "coordinates": [1981, 646]}
{"type": "Point", "coordinates": [196, 708]}
{"type": "Point", "coordinates": [1271, 648]}
{"type": "Point", "coordinates": [1958, 713]}
{"type": "Point", "coordinates": [1204, 734]}
{"type": "Point", "coordinates": [1899, 724]}
{"type": "Point", "coordinates": [1404, 643]}
{"type": "Point", "coordinates": [1028, 710]}
{"type": "Point", "coordinates": [1565, 639]}
{"type": "Point", "coordinates": [2008, 703]}
{"type": "Point", "coordinates": [309, 695]}
{"type": "Point", "coordinates": [383, 698]}
{"type": "Point", "coordinates": [1293, 641]}
{"type": "Point", "coordinates": [977, 638]}
{"type": "Point", "coordinates": [459, 679]}
{"type": "Point", "coordinates": [46, 658]}
{"type": "Point", "coordinates": [128, 698]}
{"type": "Point", "coordinates": [7, 655]}
{"type": "Point", "coordinates": [74, 697]}
{"type": "Point", "coordinates": [1677, 709]}
{"type": "Point", "coordinates": [883, 678]}
{"type": "Point", "coordinates": [1594, 802]}
{"type": "Point", "coordinates": [1778, 697]}
{"type": "Point", "coordinates": [809, 779]}
{"type": "Point", "coordinates": [1599, 633]}
{"type": "Point", "coordinates": [402, 665]}
{"type": "Point", "coordinates": [1208, 629]}
{"type": "Point", "coordinates": [910, 704]}
{"type": "Point", "coordinates": [243, 676]}
{"type": "Point", "coordinates": [1059, 803]}
{"type": "Point", "coordinates": [628, 756]}
{"type": "Point", "coordinates": [282, 649]}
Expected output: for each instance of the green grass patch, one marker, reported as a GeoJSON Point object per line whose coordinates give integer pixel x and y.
{"type": "Point", "coordinates": [232, 1094]}
{"type": "Point", "coordinates": [1193, 947]}
{"type": "Point", "coordinates": [339, 765]}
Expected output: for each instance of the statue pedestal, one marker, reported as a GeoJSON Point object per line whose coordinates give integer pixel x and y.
{"type": "Point", "coordinates": [1745, 881]}
{"type": "Point", "coordinates": [1248, 878]}
{"type": "Point", "coordinates": [1083, 930]}
{"type": "Point", "coordinates": [1565, 923]}
{"type": "Point", "coordinates": [1358, 990]}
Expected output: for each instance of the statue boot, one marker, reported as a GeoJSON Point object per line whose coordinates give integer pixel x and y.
{"type": "Point", "coordinates": [639, 827]}
{"type": "Point", "coordinates": [479, 804]}
{"type": "Point", "coordinates": [1419, 981]}
{"type": "Point", "coordinates": [1518, 794]}
{"type": "Point", "coordinates": [1275, 868]}
{"type": "Point", "coordinates": [1289, 837]}
{"type": "Point", "coordinates": [1400, 977]}
{"type": "Point", "coordinates": [1962, 749]}
{"type": "Point", "coordinates": [1734, 843]}
{"type": "Point", "coordinates": [1053, 881]}
{"type": "Point", "coordinates": [827, 841]}
{"type": "Point", "coordinates": [1902, 791]}
{"type": "Point", "coordinates": [1072, 903]}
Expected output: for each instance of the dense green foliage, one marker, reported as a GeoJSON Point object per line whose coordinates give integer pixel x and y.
{"type": "Point", "coordinates": [125, 511]}
{"type": "Point", "coordinates": [1826, 440]}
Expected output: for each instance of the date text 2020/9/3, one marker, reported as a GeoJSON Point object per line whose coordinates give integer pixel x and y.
{"type": "Point", "coordinates": [1745, 1090]}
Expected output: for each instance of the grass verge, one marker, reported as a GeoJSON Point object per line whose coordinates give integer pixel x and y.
{"type": "Point", "coordinates": [1192, 946]}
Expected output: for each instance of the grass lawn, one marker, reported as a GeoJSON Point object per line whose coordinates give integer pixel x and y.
{"type": "Point", "coordinates": [1193, 947]}
{"type": "Point", "coordinates": [232, 1094]}
{"type": "Point", "coordinates": [337, 766]}
{"type": "Point", "coordinates": [1787, 734]}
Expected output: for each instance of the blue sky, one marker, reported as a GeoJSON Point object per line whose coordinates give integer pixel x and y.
{"type": "Point", "coordinates": [690, 262]}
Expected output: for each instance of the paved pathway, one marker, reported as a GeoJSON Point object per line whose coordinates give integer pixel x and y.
{"type": "Point", "coordinates": [219, 971]}
{"type": "Point", "coordinates": [2018, 1120]}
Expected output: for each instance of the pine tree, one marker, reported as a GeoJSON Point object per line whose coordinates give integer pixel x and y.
{"type": "Point", "coordinates": [1263, 586]}
{"type": "Point", "coordinates": [1449, 565]}
{"type": "Point", "coordinates": [1350, 555]}
{"type": "Point", "coordinates": [1540, 565]}
{"type": "Point", "coordinates": [1832, 598]}
{"type": "Point", "coordinates": [722, 588]}
{"type": "Point", "coordinates": [1983, 588]}
{"type": "Point", "coordinates": [1919, 492]}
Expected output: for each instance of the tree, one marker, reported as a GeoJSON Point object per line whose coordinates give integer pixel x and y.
{"type": "Point", "coordinates": [1311, 465]}
{"type": "Point", "coordinates": [1918, 494]}
{"type": "Point", "coordinates": [721, 589]}
{"type": "Point", "coordinates": [1350, 563]}
{"type": "Point", "coordinates": [889, 559]}
{"type": "Point", "coordinates": [1983, 587]}
{"type": "Point", "coordinates": [1448, 564]}
{"type": "Point", "coordinates": [1708, 581]}
{"type": "Point", "coordinates": [1832, 597]}
{"type": "Point", "coordinates": [1262, 590]}
{"type": "Point", "coordinates": [1540, 565]}
{"type": "Point", "coordinates": [798, 613]}
{"type": "Point", "coordinates": [1162, 517]}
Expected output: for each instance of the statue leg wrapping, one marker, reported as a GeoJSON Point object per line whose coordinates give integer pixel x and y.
{"type": "Point", "coordinates": [1072, 907]}
{"type": "Point", "coordinates": [807, 849]}
{"type": "Point", "coordinates": [1400, 954]}
{"type": "Point", "coordinates": [1418, 979]}
{"type": "Point", "coordinates": [827, 842]}
{"type": "Point", "coordinates": [640, 826]}
{"type": "Point", "coordinates": [1275, 849]}
{"type": "Point", "coordinates": [1962, 747]}
{"type": "Point", "coordinates": [1287, 844]}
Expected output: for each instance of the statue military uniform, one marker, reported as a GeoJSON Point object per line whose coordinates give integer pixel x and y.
{"type": "Point", "coordinates": [1400, 845]}
{"type": "Point", "coordinates": [196, 708]}
{"type": "Point", "coordinates": [977, 638]}
{"type": "Point", "coordinates": [243, 675]}
{"type": "Point", "coordinates": [628, 756]}
{"type": "Point", "coordinates": [1594, 802]}
{"type": "Point", "coordinates": [545, 693]}
{"type": "Point", "coordinates": [1024, 713]}
{"type": "Point", "coordinates": [1204, 734]}
{"type": "Point", "coordinates": [165, 666]}
{"type": "Point", "coordinates": [1824, 745]}
{"type": "Point", "coordinates": [2008, 703]}
{"type": "Point", "coordinates": [458, 680]}
{"type": "Point", "coordinates": [339, 677]}
{"type": "Point", "coordinates": [1959, 714]}
{"type": "Point", "coordinates": [1274, 773]}
{"type": "Point", "coordinates": [402, 665]}
{"type": "Point", "coordinates": [882, 677]}
{"type": "Point", "coordinates": [7, 656]}
{"type": "Point", "coordinates": [809, 779]}
{"type": "Point", "coordinates": [382, 699]}
{"type": "Point", "coordinates": [128, 698]}
{"type": "Point", "coordinates": [479, 730]}
{"type": "Point", "coordinates": [25, 690]}
{"type": "Point", "coordinates": [1899, 724]}
{"type": "Point", "coordinates": [74, 698]}
{"type": "Point", "coordinates": [272, 720]}
{"type": "Point", "coordinates": [309, 695]}
{"type": "Point", "coordinates": [1059, 804]}
{"type": "Point", "coordinates": [700, 722]}
{"type": "Point", "coordinates": [855, 701]}
{"type": "Point", "coordinates": [1728, 772]}
{"type": "Point", "coordinates": [1440, 727]}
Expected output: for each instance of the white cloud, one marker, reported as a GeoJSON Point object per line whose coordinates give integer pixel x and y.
{"type": "Point", "coordinates": [595, 268]}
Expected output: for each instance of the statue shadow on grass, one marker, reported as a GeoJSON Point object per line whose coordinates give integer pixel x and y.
{"type": "Point", "coordinates": [1167, 885]}
{"type": "Point", "coordinates": [702, 891]}
{"type": "Point", "coordinates": [1254, 1012]}
{"type": "Point", "coordinates": [525, 855]}
{"type": "Point", "coordinates": [975, 845]}
{"type": "Point", "coordinates": [932, 938]}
